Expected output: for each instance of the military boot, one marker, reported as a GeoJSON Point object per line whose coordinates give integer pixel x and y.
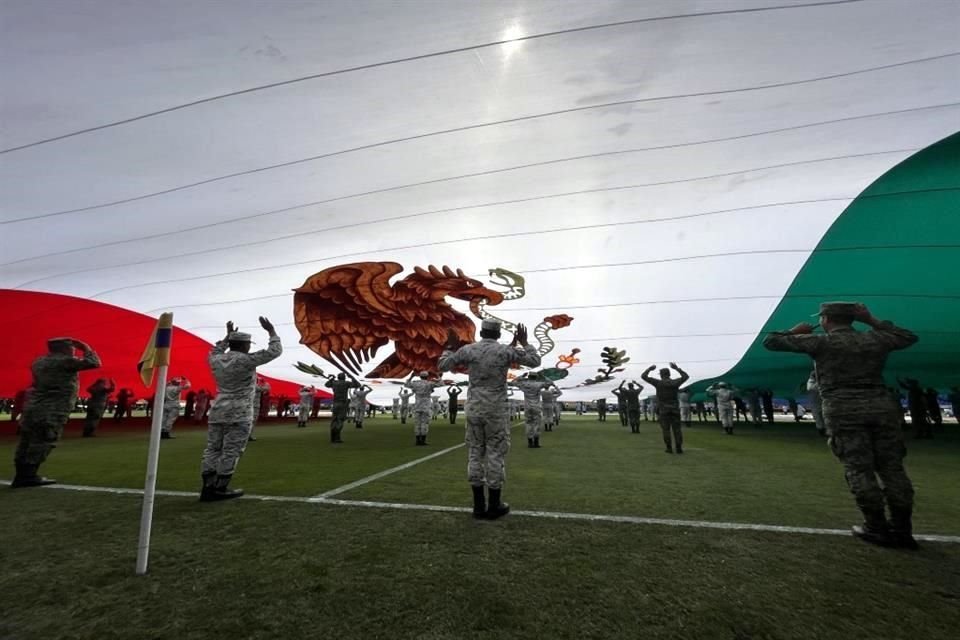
{"type": "Point", "coordinates": [874, 529]}
{"type": "Point", "coordinates": [529, 443]}
{"type": "Point", "coordinates": [536, 442]}
{"type": "Point", "coordinates": [222, 491]}
{"type": "Point", "coordinates": [166, 435]}
{"type": "Point", "coordinates": [495, 508]}
{"type": "Point", "coordinates": [208, 488]}
{"type": "Point", "coordinates": [27, 477]}
{"type": "Point", "coordinates": [479, 503]}
{"type": "Point", "coordinates": [901, 529]}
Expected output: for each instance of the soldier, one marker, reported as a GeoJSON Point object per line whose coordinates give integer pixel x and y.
{"type": "Point", "coordinates": [188, 407]}
{"type": "Point", "coordinates": [530, 387]}
{"type": "Point", "coordinates": [813, 391]}
{"type": "Point", "coordinates": [631, 399]}
{"type": "Point", "coordinates": [360, 404]}
{"type": "Point", "coordinates": [453, 398]}
{"type": "Point", "coordinates": [683, 397]}
{"type": "Point", "coordinates": [859, 414]}
{"type": "Point", "coordinates": [435, 407]}
{"type": "Point", "coordinates": [723, 396]}
{"type": "Point", "coordinates": [740, 406]}
{"type": "Point", "coordinates": [753, 396]}
{"type": "Point", "coordinates": [99, 392]}
{"type": "Point", "coordinates": [405, 404]}
{"type": "Point", "coordinates": [315, 408]}
{"type": "Point", "coordinates": [122, 409]}
{"type": "Point", "coordinates": [551, 411]}
{"type": "Point", "coordinates": [917, 405]}
{"type": "Point", "coordinates": [395, 409]}
{"type": "Point", "coordinates": [767, 397]}
{"type": "Point", "coordinates": [231, 415]}
{"type": "Point", "coordinates": [621, 406]}
{"type": "Point", "coordinates": [306, 394]}
{"type": "Point", "coordinates": [263, 387]}
{"type": "Point", "coordinates": [423, 405]}
{"type": "Point", "coordinates": [171, 405]}
{"type": "Point", "coordinates": [668, 403]}
{"type": "Point", "coordinates": [202, 406]}
{"type": "Point", "coordinates": [602, 410]}
{"type": "Point", "coordinates": [488, 422]}
{"type": "Point", "coordinates": [701, 411]}
{"type": "Point", "coordinates": [341, 402]}
{"type": "Point", "coordinates": [47, 409]}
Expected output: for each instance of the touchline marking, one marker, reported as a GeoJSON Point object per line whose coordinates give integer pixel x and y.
{"type": "Point", "coordinates": [550, 515]}
{"type": "Point", "coordinates": [382, 474]}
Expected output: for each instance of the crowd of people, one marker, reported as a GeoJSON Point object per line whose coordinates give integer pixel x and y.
{"type": "Point", "coordinates": [861, 416]}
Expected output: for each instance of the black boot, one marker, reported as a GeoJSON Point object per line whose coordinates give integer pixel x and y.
{"type": "Point", "coordinates": [679, 448]}
{"type": "Point", "coordinates": [27, 477]}
{"type": "Point", "coordinates": [222, 491]}
{"type": "Point", "coordinates": [536, 442]}
{"type": "Point", "coordinates": [901, 529]}
{"type": "Point", "coordinates": [88, 433]}
{"type": "Point", "coordinates": [669, 444]}
{"type": "Point", "coordinates": [529, 443]}
{"type": "Point", "coordinates": [874, 529]}
{"type": "Point", "coordinates": [166, 435]}
{"type": "Point", "coordinates": [479, 503]}
{"type": "Point", "coordinates": [208, 487]}
{"type": "Point", "coordinates": [495, 508]}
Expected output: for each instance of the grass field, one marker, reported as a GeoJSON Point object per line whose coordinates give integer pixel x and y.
{"type": "Point", "coordinates": [254, 569]}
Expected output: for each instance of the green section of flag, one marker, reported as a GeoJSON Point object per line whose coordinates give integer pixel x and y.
{"type": "Point", "coordinates": [896, 248]}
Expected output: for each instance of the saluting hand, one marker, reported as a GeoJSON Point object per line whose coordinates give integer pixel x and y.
{"type": "Point", "coordinates": [268, 326]}
{"type": "Point", "coordinates": [802, 329]}
{"type": "Point", "coordinates": [521, 335]}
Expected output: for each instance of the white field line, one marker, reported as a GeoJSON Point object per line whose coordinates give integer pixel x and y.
{"type": "Point", "coordinates": [550, 515]}
{"type": "Point", "coordinates": [384, 473]}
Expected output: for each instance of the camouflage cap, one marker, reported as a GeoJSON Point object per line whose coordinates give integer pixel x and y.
{"type": "Point", "coordinates": [489, 324]}
{"type": "Point", "coordinates": [238, 336]}
{"type": "Point", "coordinates": [60, 340]}
{"type": "Point", "coordinates": [838, 309]}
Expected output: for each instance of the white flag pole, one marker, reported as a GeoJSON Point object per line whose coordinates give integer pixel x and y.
{"type": "Point", "coordinates": [153, 458]}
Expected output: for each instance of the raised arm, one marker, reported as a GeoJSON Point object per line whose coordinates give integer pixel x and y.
{"type": "Point", "coordinates": [892, 336]}
{"type": "Point", "coordinates": [90, 359]}
{"type": "Point", "coordinates": [645, 376]}
{"type": "Point", "coordinates": [528, 357]}
{"type": "Point", "coordinates": [799, 339]}
{"type": "Point", "coordinates": [274, 348]}
{"type": "Point", "coordinates": [683, 374]}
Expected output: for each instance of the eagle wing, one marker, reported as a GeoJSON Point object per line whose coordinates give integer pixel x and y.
{"type": "Point", "coordinates": [346, 313]}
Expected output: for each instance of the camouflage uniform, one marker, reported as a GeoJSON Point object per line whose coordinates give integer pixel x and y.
{"type": "Point", "coordinates": [860, 416]}
{"type": "Point", "coordinates": [306, 404]}
{"type": "Point", "coordinates": [669, 407]}
{"type": "Point", "coordinates": [548, 400]}
{"type": "Point", "coordinates": [724, 396]}
{"type": "Point", "coordinates": [423, 405]}
{"type": "Point", "coordinates": [630, 398]}
{"type": "Point", "coordinates": [48, 407]}
{"type": "Point", "coordinates": [395, 412]}
{"type": "Point", "coordinates": [231, 414]}
{"type": "Point", "coordinates": [602, 410]}
{"type": "Point", "coordinates": [341, 402]}
{"type": "Point", "coordinates": [488, 419]}
{"type": "Point", "coordinates": [360, 404]}
{"type": "Point", "coordinates": [96, 405]}
{"type": "Point", "coordinates": [532, 406]}
{"type": "Point", "coordinates": [683, 397]}
{"type": "Point", "coordinates": [813, 390]}
{"type": "Point", "coordinates": [405, 404]}
{"type": "Point", "coordinates": [171, 404]}
{"type": "Point", "coordinates": [621, 407]}
{"type": "Point", "coordinates": [257, 401]}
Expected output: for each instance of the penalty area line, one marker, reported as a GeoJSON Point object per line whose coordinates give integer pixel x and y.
{"type": "Point", "coordinates": [549, 515]}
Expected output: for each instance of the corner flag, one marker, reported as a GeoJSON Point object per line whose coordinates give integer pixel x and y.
{"type": "Point", "coordinates": [157, 353]}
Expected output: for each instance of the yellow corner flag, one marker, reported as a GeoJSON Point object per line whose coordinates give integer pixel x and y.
{"type": "Point", "coordinates": [157, 352]}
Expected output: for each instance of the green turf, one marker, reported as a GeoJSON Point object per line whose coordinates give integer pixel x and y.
{"type": "Point", "coordinates": [253, 570]}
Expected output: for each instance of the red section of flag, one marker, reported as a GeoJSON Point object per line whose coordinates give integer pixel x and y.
{"type": "Point", "coordinates": [116, 334]}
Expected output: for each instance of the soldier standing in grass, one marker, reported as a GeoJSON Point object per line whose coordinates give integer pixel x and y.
{"type": "Point", "coordinates": [341, 403]}
{"type": "Point", "coordinates": [47, 409]}
{"type": "Point", "coordinates": [453, 398]}
{"type": "Point", "coordinates": [405, 404]}
{"type": "Point", "coordinates": [602, 410]}
{"type": "Point", "coordinates": [668, 403]}
{"type": "Point", "coordinates": [630, 397]}
{"type": "Point", "coordinates": [171, 405]}
{"type": "Point", "coordinates": [488, 418]}
{"type": "Point", "coordinates": [423, 405]}
{"type": "Point", "coordinates": [231, 415]}
{"type": "Point", "coordinates": [723, 395]}
{"type": "Point", "coordinates": [360, 402]}
{"type": "Point", "coordinates": [530, 387]}
{"type": "Point", "coordinates": [621, 406]}
{"type": "Point", "coordinates": [551, 410]}
{"type": "Point", "coordinates": [683, 397]}
{"type": "Point", "coordinates": [860, 416]}
{"type": "Point", "coordinates": [263, 387]}
{"type": "Point", "coordinates": [99, 392]}
{"type": "Point", "coordinates": [306, 394]}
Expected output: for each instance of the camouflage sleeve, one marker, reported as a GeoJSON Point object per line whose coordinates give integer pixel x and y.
{"type": "Point", "coordinates": [272, 352]}
{"type": "Point", "coordinates": [528, 357]}
{"type": "Point", "coordinates": [894, 337]}
{"type": "Point", "coordinates": [449, 359]}
{"type": "Point", "coordinates": [329, 383]}
{"type": "Point", "coordinates": [90, 360]}
{"type": "Point", "coordinates": [646, 378]}
{"type": "Point", "coordinates": [219, 348]}
{"type": "Point", "coordinates": [803, 343]}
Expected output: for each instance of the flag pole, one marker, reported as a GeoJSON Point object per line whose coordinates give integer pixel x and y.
{"type": "Point", "coordinates": [150, 486]}
{"type": "Point", "coordinates": [157, 353]}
